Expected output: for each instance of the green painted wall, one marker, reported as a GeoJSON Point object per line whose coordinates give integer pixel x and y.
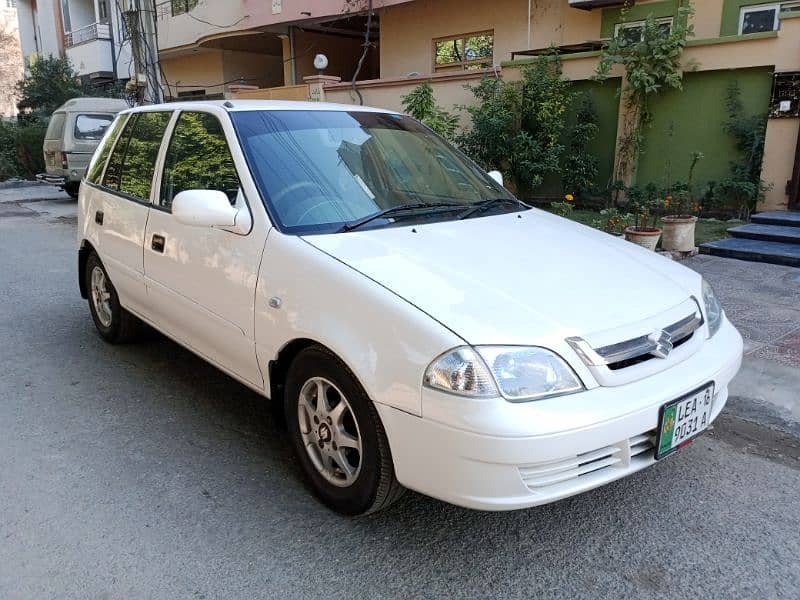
{"type": "Point", "coordinates": [605, 96]}
{"type": "Point", "coordinates": [730, 14]}
{"type": "Point", "coordinates": [606, 102]}
{"type": "Point", "coordinates": [637, 12]}
{"type": "Point", "coordinates": [696, 116]}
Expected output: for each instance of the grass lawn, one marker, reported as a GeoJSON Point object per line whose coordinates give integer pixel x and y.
{"type": "Point", "coordinates": [707, 230]}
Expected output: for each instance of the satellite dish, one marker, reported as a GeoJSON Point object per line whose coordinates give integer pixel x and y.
{"type": "Point", "coordinates": [320, 62]}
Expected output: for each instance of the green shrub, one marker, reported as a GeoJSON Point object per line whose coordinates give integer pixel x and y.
{"type": "Point", "coordinates": [421, 105]}
{"type": "Point", "coordinates": [579, 165]}
{"type": "Point", "coordinates": [517, 127]}
{"type": "Point", "coordinates": [21, 152]}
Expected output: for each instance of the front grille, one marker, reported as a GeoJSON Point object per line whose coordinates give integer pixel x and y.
{"type": "Point", "coordinates": [624, 364]}
{"type": "Point", "coordinates": [553, 473]}
{"type": "Point", "coordinates": [634, 351]}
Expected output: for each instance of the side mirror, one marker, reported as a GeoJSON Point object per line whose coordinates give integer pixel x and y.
{"type": "Point", "coordinates": [204, 208]}
{"type": "Point", "coordinates": [497, 176]}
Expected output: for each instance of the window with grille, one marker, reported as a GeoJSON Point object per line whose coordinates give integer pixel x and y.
{"type": "Point", "coordinates": [180, 7]}
{"type": "Point", "coordinates": [464, 52]}
{"type": "Point", "coordinates": [633, 32]}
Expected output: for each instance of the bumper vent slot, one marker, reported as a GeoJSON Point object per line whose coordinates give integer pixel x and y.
{"type": "Point", "coordinates": [540, 476]}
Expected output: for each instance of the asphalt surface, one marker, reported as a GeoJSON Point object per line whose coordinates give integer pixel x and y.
{"type": "Point", "coordinates": [141, 472]}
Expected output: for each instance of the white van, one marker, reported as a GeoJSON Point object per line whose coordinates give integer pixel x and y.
{"type": "Point", "coordinates": [75, 130]}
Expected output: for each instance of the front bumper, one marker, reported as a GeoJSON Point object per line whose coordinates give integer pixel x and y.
{"type": "Point", "coordinates": [564, 452]}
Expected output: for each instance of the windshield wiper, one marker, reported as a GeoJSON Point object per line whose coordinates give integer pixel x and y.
{"type": "Point", "coordinates": [484, 205]}
{"type": "Point", "coordinates": [396, 211]}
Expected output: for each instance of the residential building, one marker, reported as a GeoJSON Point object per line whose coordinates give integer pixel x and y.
{"type": "Point", "coordinates": [753, 44]}
{"type": "Point", "coordinates": [91, 33]}
{"type": "Point", "coordinates": [10, 58]}
{"type": "Point", "coordinates": [211, 49]}
{"type": "Point", "coordinates": [207, 47]}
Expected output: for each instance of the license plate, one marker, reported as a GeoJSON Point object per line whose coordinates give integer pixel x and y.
{"type": "Point", "coordinates": [683, 419]}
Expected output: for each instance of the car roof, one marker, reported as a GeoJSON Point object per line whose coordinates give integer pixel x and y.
{"type": "Point", "coordinates": [251, 105]}
{"type": "Point", "coordinates": [113, 105]}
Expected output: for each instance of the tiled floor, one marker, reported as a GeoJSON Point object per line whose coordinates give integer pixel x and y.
{"type": "Point", "coordinates": [762, 300]}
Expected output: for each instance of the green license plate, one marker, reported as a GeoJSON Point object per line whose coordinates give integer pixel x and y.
{"type": "Point", "coordinates": [683, 419]}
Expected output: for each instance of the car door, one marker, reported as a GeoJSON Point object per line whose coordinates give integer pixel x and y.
{"type": "Point", "coordinates": [123, 204]}
{"type": "Point", "coordinates": [201, 280]}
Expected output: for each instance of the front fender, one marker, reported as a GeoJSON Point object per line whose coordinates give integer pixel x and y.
{"type": "Point", "coordinates": [384, 340]}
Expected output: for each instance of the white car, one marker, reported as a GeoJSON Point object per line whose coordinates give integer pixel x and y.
{"type": "Point", "coordinates": [420, 326]}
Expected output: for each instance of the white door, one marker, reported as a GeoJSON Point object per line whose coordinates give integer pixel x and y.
{"type": "Point", "coordinates": [201, 281]}
{"type": "Point", "coordinates": [123, 205]}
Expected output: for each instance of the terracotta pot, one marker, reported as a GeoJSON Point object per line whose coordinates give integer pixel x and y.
{"type": "Point", "coordinates": [646, 238]}
{"type": "Point", "coordinates": [678, 233]}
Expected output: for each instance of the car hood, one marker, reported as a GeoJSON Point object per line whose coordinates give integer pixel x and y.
{"type": "Point", "coordinates": [519, 278]}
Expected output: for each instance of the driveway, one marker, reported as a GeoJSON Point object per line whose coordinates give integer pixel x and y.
{"type": "Point", "coordinates": [140, 471]}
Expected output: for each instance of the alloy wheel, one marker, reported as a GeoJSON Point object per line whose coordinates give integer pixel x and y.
{"type": "Point", "coordinates": [330, 432]}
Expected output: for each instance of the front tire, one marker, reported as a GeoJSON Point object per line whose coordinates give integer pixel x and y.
{"type": "Point", "coordinates": [114, 323]}
{"type": "Point", "coordinates": [337, 435]}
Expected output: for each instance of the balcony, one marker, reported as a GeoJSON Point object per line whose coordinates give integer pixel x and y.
{"type": "Point", "coordinates": [89, 33]}
{"type": "Point", "coordinates": [89, 50]}
{"type": "Point", "coordinates": [591, 4]}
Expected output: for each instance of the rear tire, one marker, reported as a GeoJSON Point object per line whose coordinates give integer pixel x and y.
{"type": "Point", "coordinates": [72, 188]}
{"type": "Point", "coordinates": [114, 323]}
{"type": "Point", "coordinates": [340, 443]}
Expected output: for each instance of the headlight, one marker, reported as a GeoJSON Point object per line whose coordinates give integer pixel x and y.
{"type": "Point", "coordinates": [713, 309]}
{"type": "Point", "coordinates": [520, 374]}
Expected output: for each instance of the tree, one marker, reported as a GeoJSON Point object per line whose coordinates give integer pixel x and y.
{"type": "Point", "coordinates": [421, 105]}
{"type": "Point", "coordinates": [51, 82]}
{"type": "Point", "coordinates": [580, 165]}
{"type": "Point", "coordinates": [652, 65]}
{"type": "Point", "coordinates": [10, 66]}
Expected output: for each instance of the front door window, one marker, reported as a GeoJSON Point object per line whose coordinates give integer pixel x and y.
{"type": "Point", "coordinates": [198, 158]}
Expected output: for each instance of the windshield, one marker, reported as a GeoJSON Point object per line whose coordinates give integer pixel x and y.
{"type": "Point", "coordinates": [322, 170]}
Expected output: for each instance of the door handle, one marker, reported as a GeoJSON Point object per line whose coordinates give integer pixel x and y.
{"type": "Point", "coordinates": [158, 243]}
{"type": "Point", "coordinates": [98, 217]}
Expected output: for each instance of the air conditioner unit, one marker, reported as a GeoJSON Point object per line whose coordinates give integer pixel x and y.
{"type": "Point", "coordinates": [590, 4]}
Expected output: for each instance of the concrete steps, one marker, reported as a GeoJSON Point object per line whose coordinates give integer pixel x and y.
{"type": "Point", "coordinates": [771, 237]}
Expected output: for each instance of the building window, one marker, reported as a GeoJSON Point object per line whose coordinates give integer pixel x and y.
{"type": "Point", "coordinates": [464, 52]}
{"type": "Point", "coordinates": [180, 7]}
{"type": "Point", "coordinates": [755, 19]}
{"type": "Point", "coordinates": [11, 3]}
{"type": "Point", "coordinates": [633, 32]}
{"type": "Point", "coordinates": [102, 11]}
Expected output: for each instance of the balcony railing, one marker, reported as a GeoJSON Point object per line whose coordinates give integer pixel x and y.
{"type": "Point", "coordinates": [95, 31]}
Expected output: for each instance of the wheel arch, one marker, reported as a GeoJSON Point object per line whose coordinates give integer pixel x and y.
{"type": "Point", "coordinates": [84, 251]}
{"type": "Point", "coordinates": [278, 369]}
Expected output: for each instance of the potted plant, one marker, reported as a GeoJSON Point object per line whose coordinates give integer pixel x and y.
{"type": "Point", "coordinates": [644, 203]}
{"type": "Point", "coordinates": [613, 222]}
{"type": "Point", "coordinates": [680, 221]}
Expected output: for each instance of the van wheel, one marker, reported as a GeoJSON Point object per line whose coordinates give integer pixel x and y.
{"type": "Point", "coordinates": [72, 188]}
{"type": "Point", "coordinates": [115, 324]}
{"type": "Point", "coordinates": [337, 435]}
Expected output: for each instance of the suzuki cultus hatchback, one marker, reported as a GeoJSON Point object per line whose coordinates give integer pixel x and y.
{"type": "Point", "coordinates": [419, 326]}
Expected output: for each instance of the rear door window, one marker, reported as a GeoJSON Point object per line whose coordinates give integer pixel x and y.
{"type": "Point", "coordinates": [91, 126]}
{"type": "Point", "coordinates": [133, 161]}
{"type": "Point", "coordinates": [103, 151]}
{"type": "Point", "coordinates": [139, 165]}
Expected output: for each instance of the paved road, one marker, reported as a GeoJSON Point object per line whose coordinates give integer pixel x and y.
{"type": "Point", "coordinates": [142, 472]}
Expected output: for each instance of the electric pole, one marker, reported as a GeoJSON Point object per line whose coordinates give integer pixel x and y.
{"type": "Point", "coordinates": [140, 16]}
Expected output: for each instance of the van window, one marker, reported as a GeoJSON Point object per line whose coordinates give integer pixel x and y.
{"type": "Point", "coordinates": [91, 127]}
{"type": "Point", "coordinates": [55, 130]}
{"type": "Point", "coordinates": [101, 155]}
{"type": "Point", "coordinates": [139, 164]}
{"type": "Point", "coordinates": [198, 158]}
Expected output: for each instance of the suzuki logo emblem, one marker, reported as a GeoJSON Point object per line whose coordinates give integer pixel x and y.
{"type": "Point", "coordinates": [663, 343]}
